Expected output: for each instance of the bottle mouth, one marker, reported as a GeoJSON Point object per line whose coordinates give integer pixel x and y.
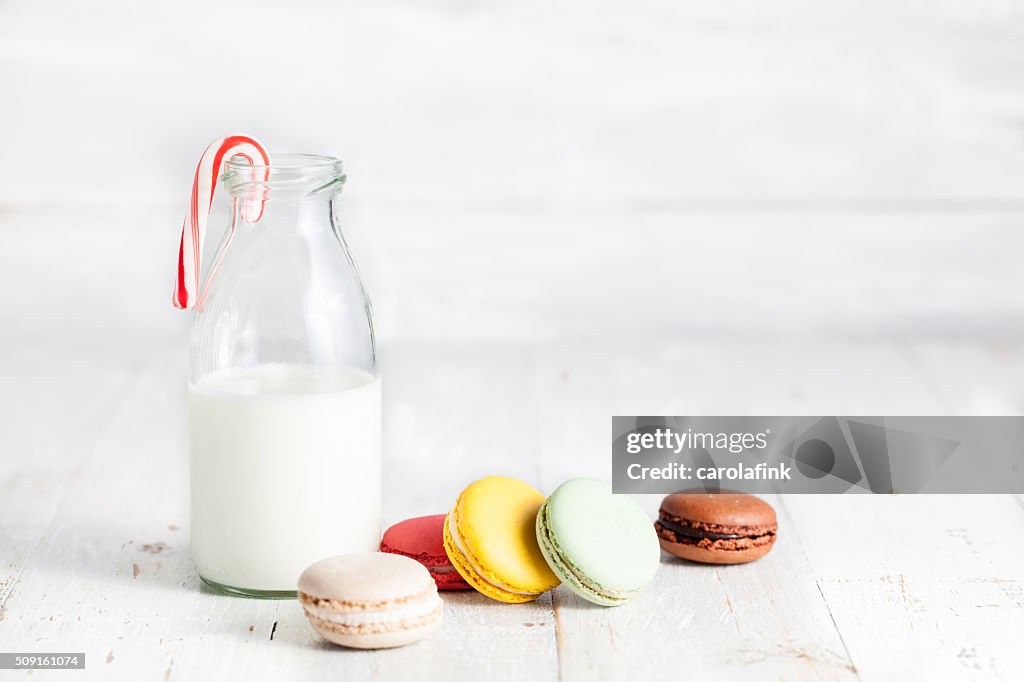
{"type": "Point", "coordinates": [295, 175]}
{"type": "Point", "coordinates": [287, 162]}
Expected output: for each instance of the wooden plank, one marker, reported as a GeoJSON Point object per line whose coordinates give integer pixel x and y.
{"type": "Point", "coordinates": [857, 100]}
{"type": "Point", "coordinates": [589, 275]}
{"type": "Point", "coordinates": [759, 621]}
{"type": "Point", "coordinates": [581, 386]}
{"type": "Point", "coordinates": [556, 275]}
{"type": "Point", "coordinates": [928, 587]}
{"type": "Point", "coordinates": [454, 414]}
{"type": "Point", "coordinates": [103, 561]}
{"type": "Point", "coordinates": [480, 638]}
{"type": "Point", "coordinates": [766, 620]}
{"type": "Point", "coordinates": [59, 404]}
{"type": "Point", "coordinates": [99, 277]}
{"type": "Point", "coordinates": [973, 378]}
{"type": "Point", "coordinates": [113, 577]}
{"type": "Point", "coordinates": [952, 569]}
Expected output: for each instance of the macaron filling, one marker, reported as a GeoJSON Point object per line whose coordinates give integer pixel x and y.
{"type": "Point", "coordinates": [453, 525]}
{"type": "Point", "coordinates": [688, 531]}
{"type": "Point", "coordinates": [401, 615]}
{"type": "Point", "coordinates": [682, 531]}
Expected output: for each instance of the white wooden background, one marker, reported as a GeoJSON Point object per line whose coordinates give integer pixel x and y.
{"type": "Point", "coordinates": [563, 211]}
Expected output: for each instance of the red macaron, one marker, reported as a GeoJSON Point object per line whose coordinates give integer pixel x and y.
{"type": "Point", "coordinates": [422, 539]}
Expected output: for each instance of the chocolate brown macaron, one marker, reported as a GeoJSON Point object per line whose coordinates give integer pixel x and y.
{"type": "Point", "coordinates": [724, 528]}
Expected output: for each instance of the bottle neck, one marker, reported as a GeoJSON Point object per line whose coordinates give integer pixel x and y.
{"type": "Point", "coordinates": [295, 189]}
{"type": "Point", "coordinates": [307, 215]}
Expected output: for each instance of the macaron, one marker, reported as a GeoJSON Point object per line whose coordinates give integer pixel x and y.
{"type": "Point", "coordinates": [422, 539]}
{"type": "Point", "coordinates": [723, 528]}
{"type": "Point", "coordinates": [600, 545]}
{"type": "Point", "coordinates": [490, 539]}
{"type": "Point", "coordinates": [370, 600]}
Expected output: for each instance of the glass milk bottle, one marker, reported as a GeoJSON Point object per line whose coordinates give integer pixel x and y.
{"type": "Point", "coordinates": [284, 397]}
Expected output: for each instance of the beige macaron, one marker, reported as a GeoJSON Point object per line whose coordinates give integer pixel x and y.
{"type": "Point", "coordinates": [371, 600]}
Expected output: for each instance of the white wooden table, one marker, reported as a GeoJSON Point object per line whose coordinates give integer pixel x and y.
{"type": "Point", "coordinates": [95, 554]}
{"type": "Point", "coordinates": [564, 211]}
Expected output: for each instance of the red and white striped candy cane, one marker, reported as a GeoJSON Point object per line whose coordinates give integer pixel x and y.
{"type": "Point", "coordinates": [193, 231]}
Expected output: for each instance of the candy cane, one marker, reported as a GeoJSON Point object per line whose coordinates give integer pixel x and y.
{"type": "Point", "coordinates": [193, 230]}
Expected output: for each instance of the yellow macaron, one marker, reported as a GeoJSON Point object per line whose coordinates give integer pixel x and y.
{"type": "Point", "coordinates": [490, 537]}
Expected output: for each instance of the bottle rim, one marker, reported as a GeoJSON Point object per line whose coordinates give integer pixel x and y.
{"type": "Point", "coordinates": [287, 175]}
{"type": "Point", "coordinates": [287, 162]}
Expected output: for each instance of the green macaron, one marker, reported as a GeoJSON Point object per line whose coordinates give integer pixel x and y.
{"type": "Point", "coordinates": [601, 545]}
